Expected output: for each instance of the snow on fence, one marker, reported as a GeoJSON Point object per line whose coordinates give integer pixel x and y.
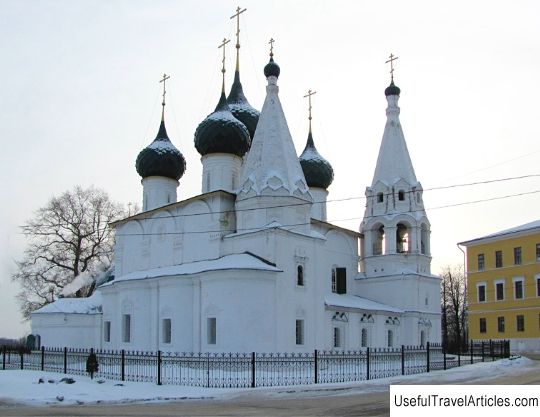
{"type": "Point", "coordinates": [254, 369]}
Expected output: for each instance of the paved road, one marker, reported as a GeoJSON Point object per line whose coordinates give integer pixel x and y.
{"type": "Point", "coordinates": [310, 402]}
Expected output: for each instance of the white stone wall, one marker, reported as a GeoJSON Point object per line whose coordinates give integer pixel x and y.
{"type": "Point", "coordinates": [67, 330]}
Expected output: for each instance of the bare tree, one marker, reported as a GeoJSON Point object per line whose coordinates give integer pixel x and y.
{"type": "Point", "coordinates": [454, 307]}
{"type": "Point", "coordinates": [67, 238]}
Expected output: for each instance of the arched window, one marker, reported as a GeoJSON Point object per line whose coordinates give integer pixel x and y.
{"type": "Point", "coordinates": [401, 195]}
{"type": "Point", "coordinates": [364, 338]}
{"type": "Point", "coordinates": [390, 337]}
{"type": "Point", "coordinates": [380, 197]}
{"type": "Point", "coordinates": [300, 276]}
{"type": "Point", "coordinates": [402, 238]}
{"type": "Point", "coordinates": [424, 240]}
{"type": "Point", "coordinates": [378, 241]}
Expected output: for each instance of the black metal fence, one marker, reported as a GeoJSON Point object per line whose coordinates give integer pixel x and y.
{"type": "Point", "coordinates": [254, 369]}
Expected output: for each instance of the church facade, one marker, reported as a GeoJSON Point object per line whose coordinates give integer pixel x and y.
{"type": "Point", "coordinates": [251, 264]}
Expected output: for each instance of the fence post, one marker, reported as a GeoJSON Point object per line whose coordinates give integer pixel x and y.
{"type": "Point", "coordinates": [252, 369]}
{"type": "Point", "coordinates": [472, 352]}
{"type": "Point", "coordinates": [22, 358]}
{"type": "Point", "coordinates": [65, 359]}
{"type": "Point", "coordinates": [367, 364]}
{"type": "Point", "coordinates": [483, 350]}
{"type": "Point", "coordinates": [208, 369]}
{"type": "Point", "coordinates": [402, 359]}
{"type": "Point", "coordinates": [444, 357]}
{"type": "Point", "coordinates": [123, 364]}
{"type": "Point", "coordinates": [427, 356]}
{"type": "Point", "coordinates": [42, 358]}
{"type": "Point", "coordinates": [491, 350]}
{"type": "Point", "coordinates": [159, 367]}
{"type": "Point", "coordinates": [459, 356]}
{"type": "Point", "coordinates": [4, 357]}
{"type": "Point", "coordinates": [316, 364]}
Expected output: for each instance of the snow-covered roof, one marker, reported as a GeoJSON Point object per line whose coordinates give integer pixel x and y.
{"type": "Point", "coordinates": [357, 303]}
{"type": "Point", "coordinates": [531, 226]}
{"type": "Point", "coordinates": [150, 213]}
{"type": "Point", "coordinates": [394, 162]}
{"type": "Point", "coordinates": [236, 261]}
{"type": "Point", "coordinates": [88, 305]}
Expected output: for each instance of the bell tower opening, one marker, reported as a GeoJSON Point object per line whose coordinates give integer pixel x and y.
{"type": "Point", "coordinates": [402, 238]}
{"type": "Point", "coordinates": [378, 240]}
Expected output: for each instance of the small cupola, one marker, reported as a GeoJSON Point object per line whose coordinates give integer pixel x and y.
{"type": "Point", "coordinates": [161, 158]}
{"type": "Point", "coordinates": [160, 165]}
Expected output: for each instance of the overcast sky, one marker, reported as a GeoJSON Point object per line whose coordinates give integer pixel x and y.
{"type": "Point", "coordinates": [79, 98]}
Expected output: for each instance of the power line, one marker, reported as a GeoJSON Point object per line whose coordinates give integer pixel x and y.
{"type": "Point", "coordinates": [293, 225]}
{"type": "Point", "coordinates": [337, 200]}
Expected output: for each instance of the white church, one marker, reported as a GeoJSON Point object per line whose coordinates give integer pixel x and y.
{"type": "Point", "coordinates": [251, 264]}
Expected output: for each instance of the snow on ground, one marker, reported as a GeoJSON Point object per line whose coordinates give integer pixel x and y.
{"type": "Point", "coordinates": [23, 387]}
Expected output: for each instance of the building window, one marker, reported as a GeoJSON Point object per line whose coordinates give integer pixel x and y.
{"type": "Point", "coordinates": [500, 324]}
{"type": "Point", "coordinates": [380, 197]}
{"type": "Point", "coordinates": [364, 338]}
{"type": "Point", "coordinates": [211, 330]}
{"type": "Point", "coordinates": [481, 293]}
{"type": "Point", "coordinates": [499, 291]}
{"type": "Point", "coordinates": [334, 280]}
{"type": "Point", "coordinates": [483, 327]}
{"type": "Point", "coordinates": [341, 280]}
{"type": "Point", "coordinates": [517, 255]}
{"type": "Point", "coordinates": [481, 262]}
{"type": "Point", "coordinates": [337, 337]}
{"type": "Point", "coordinates": [520, 323]}
{"type": "Point", "coordinates": [300, 275]}
{"type": "Point", "coordinates": [422, 338]}
{"type": "Point", "coordinates": [107, 331]}
{"type": "Point", "coordinates": [538, 252]}
{"type": "Point", "coordinates": [390, 338]}
{"type": "Point", "coordinates": [126, 328]}
{"type": "Point", "coordinates": [401, 195]}
{"type": "Point", "coordinates": [518, 289]}
{"type": "Point", "coordinates": [538, 287]}
{"type": "Point", "coordinates": [166, 329]}
{"type": "Point", "coordinates": [498, 259]}
{"type": "Point", "coordinates": [299, 332]}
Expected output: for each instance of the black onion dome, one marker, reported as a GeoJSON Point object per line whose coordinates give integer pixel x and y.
{"type": "Point", "coordinates": [240, 107]}
{"type": "Point", "coordinates": [161, 158]}
{"type": "Point", "coordinates": [317, 170]}
{"type": "Point", "coordinates": [392, 90]}
{"type": "Point", "coordinates": [221, 132]}
{"type": "Point", "coordinates": [271, 69]}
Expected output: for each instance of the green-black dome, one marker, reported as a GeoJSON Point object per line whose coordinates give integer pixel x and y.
{"type": "Point", "coordinates": [240, 107]}
{"type": "Point", "coordinates": [221, 132]}
{"type": "Point", "coordinates": [271, 69]}
{"type": "Point", "coordinates": [161, 158]}
{"type": "Point", "coordinates": [317, 170]}
{"type": "Point", "coordinates": [392, 90]}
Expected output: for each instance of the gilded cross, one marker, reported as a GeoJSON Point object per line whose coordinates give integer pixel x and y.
{"type": "Point", "coordinates": [308, 95]}
{"type": "Point", "coordinates": [239, 11]}
{"type": "Point", "coordinates": [165, 78]}
{"type": "Point", "coordinates": [391, 60]}
{"type": "Point", "coordinates": [223, 43]}
{"type": "Point", "coordinates": [271, 46]}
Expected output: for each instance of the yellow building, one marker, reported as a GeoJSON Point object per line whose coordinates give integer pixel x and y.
{"type": "Point", "coordinates": [503, 286]}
